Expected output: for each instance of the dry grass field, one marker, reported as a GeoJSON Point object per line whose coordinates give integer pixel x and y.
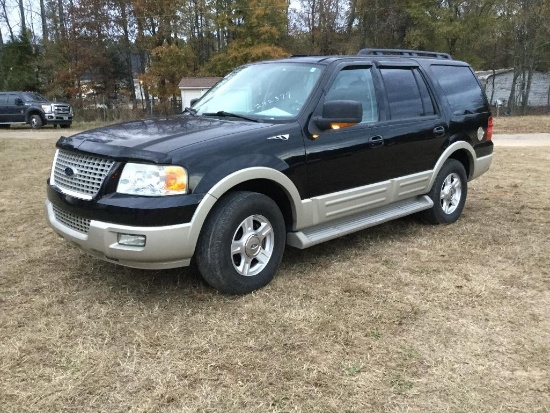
{"type": "Point", "coordinates": [404, 317]}
{"type": "Point", "coordinates": [522, 124]}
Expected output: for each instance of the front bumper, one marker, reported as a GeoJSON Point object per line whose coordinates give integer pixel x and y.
{"type": "Point", "coordinates": [56, 119]}
{"type": "Point", "coordinates": [166, 246]}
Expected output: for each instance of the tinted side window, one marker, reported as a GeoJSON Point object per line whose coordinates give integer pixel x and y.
{"type": "Point", "coordinates": [3, 98]}
{"type": "Point", "coordinates": [425, 94]}
{"type": "Point", "coordinates": [355, 83]}
{"type": "Point", "coordinates": [404, 95]}
{"type": "Point", "coordinates": [11, 99]}
{"type": "Point", "coordinates": [461, 88]}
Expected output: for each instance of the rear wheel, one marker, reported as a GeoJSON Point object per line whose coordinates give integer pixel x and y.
{"type": "Point", "coordinates": [241, 243]}
{"type": "Point", "coordinates": [65, 126]}
{"type": "Point", "coordinates": [4, 126]}
{"type": "Point", "coordinates": [36, 122]}
{"type": "Point", "coordinates": [448, 194]}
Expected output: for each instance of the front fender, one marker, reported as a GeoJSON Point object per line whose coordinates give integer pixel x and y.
{"type": "Point", "coordinates": [230, 181]}
{"type": "Point", "coordinates": [234, 165]}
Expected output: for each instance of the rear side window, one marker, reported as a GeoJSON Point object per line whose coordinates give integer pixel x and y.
{"type": "Point", "coordinates": [407, 93]}
{"type": "Point", "coordinates": [461, 88]}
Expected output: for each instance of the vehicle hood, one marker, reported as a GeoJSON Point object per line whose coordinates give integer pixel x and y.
{"type": "Point", "coordinates": [152, 140]}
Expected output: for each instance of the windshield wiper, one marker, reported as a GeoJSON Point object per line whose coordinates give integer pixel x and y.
{"type": "Point", "coordinates": [191, 111]}
{"type": "Point", "coordinates": [229, 114]}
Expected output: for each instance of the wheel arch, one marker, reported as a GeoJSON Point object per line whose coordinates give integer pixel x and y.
{"type": "Point", "coordinates": [33, 112]}
{"type": "Point", "coordinates": [461, 151]}
{"type": "Point", "coordinates": [466, 159]}
{"type": "Point", "coordinates": [264, 180]}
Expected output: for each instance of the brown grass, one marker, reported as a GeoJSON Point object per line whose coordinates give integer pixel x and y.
{"type": "Point", "coordinates": [522, 124]}
{"type": "Point", "coordinates": [404, 317]}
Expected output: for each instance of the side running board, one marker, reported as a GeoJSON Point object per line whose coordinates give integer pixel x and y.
{"type": "Point", "coordinates": [339, 227]}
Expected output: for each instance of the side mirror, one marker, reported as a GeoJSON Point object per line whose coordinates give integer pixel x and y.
{"type": "Point", "coordinates": [19, 102]}
{"type": "Point", "coordinates": [193, 101]}
{"type": "Point", "coordinates": [339, 114]}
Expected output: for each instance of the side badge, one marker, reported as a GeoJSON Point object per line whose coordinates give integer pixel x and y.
{"type": "Point", "coordinates": [280, 137]}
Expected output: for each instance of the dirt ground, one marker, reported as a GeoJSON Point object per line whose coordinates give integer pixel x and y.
{"type": "Point", "coordinates": [403, 317]}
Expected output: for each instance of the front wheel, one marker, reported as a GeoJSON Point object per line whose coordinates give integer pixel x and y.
{"type": "Point", "coordinates": [241, 243]}
{"type": "Point", "coordinates": [448, 194]}
{"type": "Point", "coordinates": [36, 122]}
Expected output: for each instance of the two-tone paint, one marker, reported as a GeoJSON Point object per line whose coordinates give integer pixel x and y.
{"type": "Point", "coordinates": [327, 183]}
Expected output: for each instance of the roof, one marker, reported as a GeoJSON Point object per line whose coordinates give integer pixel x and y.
{"type": "Point", "coordinates": [198, 82]}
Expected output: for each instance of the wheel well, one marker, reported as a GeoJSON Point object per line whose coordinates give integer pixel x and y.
{"type": "Point", "coordinates": [272, 190]}
{"type": "Point", "coordinates": [465, 159]}
{"type": "Point", "coordinates": [34, 112]}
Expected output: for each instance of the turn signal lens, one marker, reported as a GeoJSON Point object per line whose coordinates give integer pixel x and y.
{"type": "Point", "coordinates": [341, 125]}
{"type": "Point", "coordinates": [175, 179]}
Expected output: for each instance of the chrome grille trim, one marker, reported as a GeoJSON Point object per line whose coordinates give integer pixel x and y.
{"type": "Point", "coordinates": [89, 173]}
{"type": "Point", "coordinates": [71, 220]}
{"type": "Point", "coordinates": [62, 109]}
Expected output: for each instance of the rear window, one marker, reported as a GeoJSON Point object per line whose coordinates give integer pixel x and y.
{"type": "Point", "coordinates": [461, 88]}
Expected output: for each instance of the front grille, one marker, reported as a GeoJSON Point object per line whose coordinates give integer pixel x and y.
{"type": "Point", "coordinates": [71, 220]}
{"type": "Point", "coordinates": [80, 175]}
{"type": "Point", "coordinates": [61, 109]}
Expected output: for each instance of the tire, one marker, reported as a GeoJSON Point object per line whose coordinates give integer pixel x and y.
{"type": "Point", "coordinates": [448, 194]}
{"type": "Point", "coordinates": [65, 126]}
{"type": "Point", "coordinates": [4, 126]}
{"type": "Point", "coordinates": [241, 243]}
{"type": "Point", "coordinates": [36, 121]}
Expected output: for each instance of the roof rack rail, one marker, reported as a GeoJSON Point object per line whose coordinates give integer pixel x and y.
{"type": "Point", "coordinates": [404, 52]}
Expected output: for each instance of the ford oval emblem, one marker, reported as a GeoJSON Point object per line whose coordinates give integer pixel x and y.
{"type": "Point", "coordinates": [69, 171]}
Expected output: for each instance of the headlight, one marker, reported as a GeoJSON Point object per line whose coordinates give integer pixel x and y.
{"type": "Point", "coordinates": [152, 180]}
{"type": "Point", "coordinates": [47, 108]}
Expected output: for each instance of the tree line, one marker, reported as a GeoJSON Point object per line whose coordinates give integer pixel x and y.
{"type": "Point", "coordinates": [60, 47]}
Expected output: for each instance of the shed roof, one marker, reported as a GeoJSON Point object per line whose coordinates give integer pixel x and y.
{"type": "Point", "coordinates": [486, 74]}
{"type": "Point", "coordinates": [198, 82]}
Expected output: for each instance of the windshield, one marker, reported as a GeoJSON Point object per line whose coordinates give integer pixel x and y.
{"type": "Point", "coordinates": [261, 91]}
{"type": "Point", "coordinates": [34, 97]}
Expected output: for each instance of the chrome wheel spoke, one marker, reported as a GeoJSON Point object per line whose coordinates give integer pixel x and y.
{"type": "Point", "coordinates": [252, 245]}
{"type": "Point", "coordinates": [246, 263]}
{"type": "Point", "coordinates": [263, 258]}
{"type": "Point", "coordinates": [264, 230]}
{"type": "Point", "coordinates": [248, 225]}
{"type": "Point", "coordinates": [237, 247]}
{"type": "Point", "coordinates": [451, 193]}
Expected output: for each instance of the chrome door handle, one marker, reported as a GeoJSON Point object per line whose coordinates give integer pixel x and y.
{"type": "Point", "coordinates": [376, 141]}
{"type": "Point", "coordinates": [439, 131]}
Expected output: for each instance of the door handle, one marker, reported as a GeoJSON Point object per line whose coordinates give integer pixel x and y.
{"type": "Point", "coordinates": [439, 131]}
{"type": "Point", "coordinates": [376, 141]}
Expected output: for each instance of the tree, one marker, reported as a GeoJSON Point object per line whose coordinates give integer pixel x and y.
{"type": "Point", "coordinates": [252, 31]}
{"type": "Point", "coordinates": [169, 63]}
{"type": "Point", "coordinates": [19, 66]}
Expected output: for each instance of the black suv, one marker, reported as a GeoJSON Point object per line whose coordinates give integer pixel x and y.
{"type": "Point", "coordinates": [33, 109]}
{"type": "Point", "coordinates": [296, 151]}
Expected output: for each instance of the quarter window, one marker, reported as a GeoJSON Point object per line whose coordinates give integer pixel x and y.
{"type": "Point", "coordinates": [461, 88]}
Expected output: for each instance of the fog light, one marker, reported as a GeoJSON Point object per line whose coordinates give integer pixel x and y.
{"type": "Point", "coordinates": [131, 240]}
